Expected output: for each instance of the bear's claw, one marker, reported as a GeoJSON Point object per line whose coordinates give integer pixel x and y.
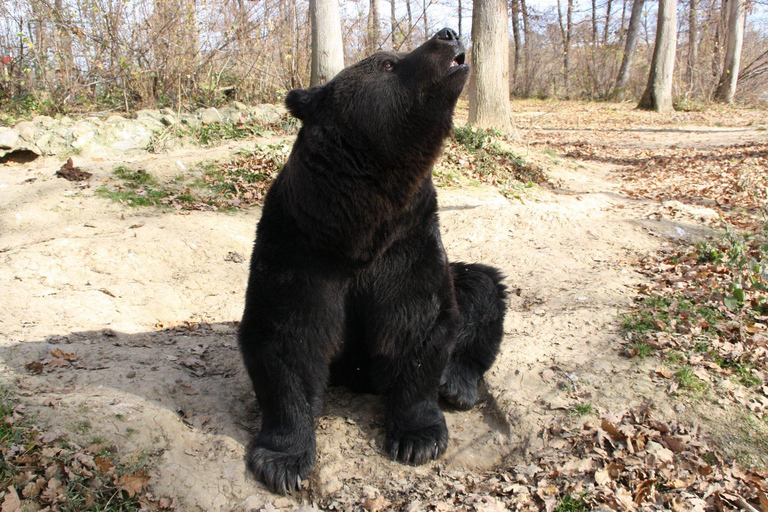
{"type": "Point", "coordinates": [418, 446]}
{"type": "Point", "coordinates": [281, 472]}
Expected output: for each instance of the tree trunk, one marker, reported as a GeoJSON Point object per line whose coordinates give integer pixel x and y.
{"type": "Point", "coordinates": [410, 24]}
{"type": "Point", "coordinates": [393, 24]}
{"type": "Point", "coordinates": [623, 18]}
{"type": "Point", "coordinates": [693, 41]}
{"type": "Point", "coordinates": [327, 47]}
{"type": "Point", "coordinates": [526, 48]}
{"type": "Point", "coordinates": [374, 27]}
{"type": "Point", "coordinates": [726, 89]}
{"type": "Point", "coordinates": [424, 4]}
{"type": "Point", "coordinates": [514, 7]}
{"type": "Point", "coordinates": [718, 39]}
{"type": "Point", "coordinates": [565, 31]}
{"type": "Point", "coordinates": [594, 23]}
{"type": "Point", "coordinates": [489, 81]}
{"type": "Point", "coordinates": [459, 13]}
{"type": "Point", "coordinates": [607, 31]}
{"type": "Point", "coordinates": [658, 92]}
{"type": "Point", "coordinates": [629, 50]}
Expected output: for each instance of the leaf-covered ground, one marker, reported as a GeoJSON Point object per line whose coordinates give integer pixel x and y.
{"type": "Point", "coordinates": [698, 326]}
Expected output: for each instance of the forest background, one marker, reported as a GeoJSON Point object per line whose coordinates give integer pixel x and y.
{"type": "Point", "coordinates": [59, 56]}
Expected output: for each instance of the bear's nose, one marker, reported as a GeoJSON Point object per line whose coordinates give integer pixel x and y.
{"type": "Point", "coordinates": [447, 34]}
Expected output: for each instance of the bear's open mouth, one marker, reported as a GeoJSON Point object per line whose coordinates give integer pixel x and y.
{"type": "Point", "coordinates": [456, 63]}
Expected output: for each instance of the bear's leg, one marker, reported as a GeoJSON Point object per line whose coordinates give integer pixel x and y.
{"type": "Point", "coordinates": [290, 329]}
{"type": "Point", "coordinates": [411, 321]}
{"type": "Point", "coordinates": [482, 303]}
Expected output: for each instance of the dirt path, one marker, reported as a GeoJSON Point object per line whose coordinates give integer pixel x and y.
{"type": "Point", "coordinates": [104, 282]}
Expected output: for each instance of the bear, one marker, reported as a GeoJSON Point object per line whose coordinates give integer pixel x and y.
{"type": "Point", "coordinates": [349, 281]}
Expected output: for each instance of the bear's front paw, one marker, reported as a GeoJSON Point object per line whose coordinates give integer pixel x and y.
{"type": "Point", "coordinates": [459, 388]}
{"type": "Point", "coordinates": [418, 445]}
{"type": "Point", "coordinates": [281, 472]}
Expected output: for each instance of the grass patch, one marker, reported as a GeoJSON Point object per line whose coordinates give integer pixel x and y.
{"type": "Point", "coordinates": [239, 183]}
{"type": "Point", "coordinates": [62, 475]}
{"type": "Point", "coordinates": [570, 503]}
{"type": "Point", "coordinates": [583, 409]}
{"type": "Point", "coordinates": [689, 381]}
{"type": "Point", "coordinates": [474, 156]}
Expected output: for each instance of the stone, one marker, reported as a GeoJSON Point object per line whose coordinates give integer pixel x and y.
{"type": "Point", "coordinates": [168, 119]}
{"type": "Point", "coordinates": [192, 122]}
{"type": "Point", "coordinates": [27, 130]}
{"type": "Point", "coordinates": [82, 128]}
{"type": "Point", "coordinates": [8, 139]}
{"type": "Point", "coordinates": [44, 121]}
{"type": "Point", "coordinates": [65, 121]}
{"type": "Point", "coordinates": [267, 114]}
{"type": "Point", "coordinates": [129, 136]}
{"type": "Point", "coordinates": [239, 106]}
{"type": "Point", "coordinates": [114, 119]}
{"type": "Point", "coordinates": [211, 116]}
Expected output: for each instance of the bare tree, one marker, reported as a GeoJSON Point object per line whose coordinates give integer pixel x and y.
{"type": "Point", "coordinates": [489, 82]}
{"type": "Point", "coordinates": [460, 16]}
{"type": "Point", "coordinates": [327, 47]}
{"type": "Point", "coordinates": [658, 92]}
{"type": "Point", "coordinates": [726, 89]}
{"type": "Point", "coordinates": [693, 40]}
{"type": "Point", "coordinates": [566, 31]}
{"type": "Point", "coordinates": [629, 49]}
{"type": "Point", "coordinates": [374, 27]}
{"type": "Point", "coordinates": [514, 7]}
{"type": "Point", "coordinates": [607, 22]}
{"type": "Point", "coordinates": [526, 47]}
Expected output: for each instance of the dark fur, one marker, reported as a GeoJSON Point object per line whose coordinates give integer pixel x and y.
{"type": "Point", "coordinates": [349, 280]}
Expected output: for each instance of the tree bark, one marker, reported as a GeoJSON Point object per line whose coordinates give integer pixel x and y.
{"type": "Point", "coordinates": [459, 13]}
{"type": "Point", "coordinates": [566, 31]}
{"type": "Point", "coordinates": [607, 31]}
{"type": "Point", "coordinates": [374, 27]}
{"type": "Point", "coordinates": [526, 48]}
{"type": "Point", "coordinates": [629, 50]}
{"type": "Point", "coordinates": [726, 89]}
{"type": "Point", "coordinates": [393, 24]}
{"type": "Point", "coordinates": [489, 81]}
{"type": "Point", "coordinates": [425, 4]}
{"type": "Point", "coordinates": [594, 23]}
{"type": "Point", "coordinates": [408, 37]}
{"type": "Point", "coordinates": [693, 41]}
{"type": "Point", "coordinates": [718, 39]}
{"type": "Point", "coordinates": [514, 7]}
{"type": "Point", "coordinates": [327, 47]}
{"type": "Point", "coordinates": [658, 92]}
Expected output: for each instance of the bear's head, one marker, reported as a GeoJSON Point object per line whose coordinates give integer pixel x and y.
{"type": "Point", "coordinates": [390, 104]}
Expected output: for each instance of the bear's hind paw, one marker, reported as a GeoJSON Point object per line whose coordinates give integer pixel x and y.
{"type": "Point", "coordinates": [281, 472]}
{"type": "Point", "coordinates": [459, 390]}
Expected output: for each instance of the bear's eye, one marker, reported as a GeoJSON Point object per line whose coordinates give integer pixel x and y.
{"type": "Point", "coordinates": [388, 65]}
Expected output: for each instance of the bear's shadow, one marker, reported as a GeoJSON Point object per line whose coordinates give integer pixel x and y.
{"type": "Point", "coordinates": [195, 372]}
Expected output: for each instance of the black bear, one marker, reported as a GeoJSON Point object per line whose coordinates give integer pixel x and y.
{"type": "Point", "coordinates": [349, 282]}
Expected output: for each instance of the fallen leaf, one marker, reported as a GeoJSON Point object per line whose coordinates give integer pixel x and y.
{"type": "Point", "coordinates": [134, 483]}
{"type": "Point", "coordinates": [11, 502]}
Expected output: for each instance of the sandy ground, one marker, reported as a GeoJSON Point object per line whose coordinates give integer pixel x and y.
{"type": "Point", "coordinates": [105, 282]}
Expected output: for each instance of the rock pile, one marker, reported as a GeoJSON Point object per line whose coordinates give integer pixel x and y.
{"type": "Point", "coordinates": [116, 134]}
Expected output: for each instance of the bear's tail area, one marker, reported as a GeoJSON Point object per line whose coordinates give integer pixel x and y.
{"type": "Point", "coordinates": [482, 301]}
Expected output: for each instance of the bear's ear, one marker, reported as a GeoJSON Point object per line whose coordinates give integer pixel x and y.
{"type": "Point", "coordinates": [302, 103]}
